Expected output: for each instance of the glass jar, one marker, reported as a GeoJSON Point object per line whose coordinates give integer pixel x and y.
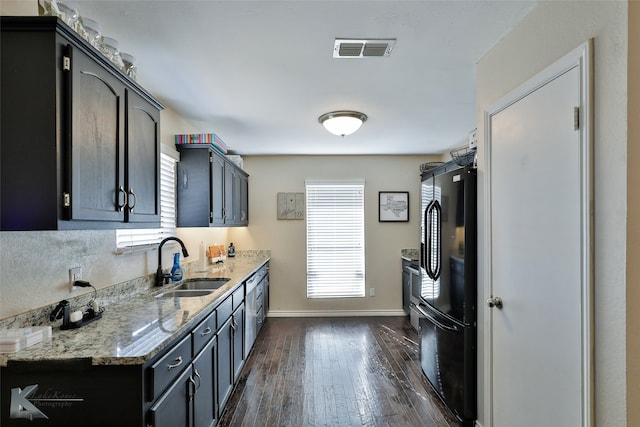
{"type": "Point", "coordinates": [92, 32]}
{"type": "Point", "coordinates": [130, 67]}
{"type": "Point", "coordinates": [111, 51]}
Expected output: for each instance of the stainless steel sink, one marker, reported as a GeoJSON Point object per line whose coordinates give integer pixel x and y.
{"type": "Point", "coordinates": [184, 293]}
{"type": "Point", "coordinates": [203, 283]}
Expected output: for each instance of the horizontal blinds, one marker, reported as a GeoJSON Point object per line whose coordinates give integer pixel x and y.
{"type": "Point", "coordinates": [335, 240]}
{"type": "Point", "coordinates": [131, 240]}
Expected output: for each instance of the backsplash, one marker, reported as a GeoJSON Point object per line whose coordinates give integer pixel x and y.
{"type": "Point", "coordinates": [107, 295]}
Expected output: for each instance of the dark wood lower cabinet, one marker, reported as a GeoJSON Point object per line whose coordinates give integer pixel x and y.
{"type": "Point", "coordinates": [190, 401]}
{"type": "Point", "coordinates": [225, 376]}
{"type": "Point", "coordinates": [238, 342]}
{"type": "Point", "coordinates": [205, 406]}
{"type": "Point", "coordinates": [188, 384]}
{"type": "Point", "coordinates": [172, 409]}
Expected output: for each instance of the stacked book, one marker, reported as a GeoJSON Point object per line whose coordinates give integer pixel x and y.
{"type": "Point", "coordinates": [203, 138]}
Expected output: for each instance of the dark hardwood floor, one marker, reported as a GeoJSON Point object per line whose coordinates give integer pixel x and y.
{"type": "Point", "coordinates": [357, 371]}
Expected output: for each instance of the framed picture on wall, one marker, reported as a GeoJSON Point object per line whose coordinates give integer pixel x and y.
{"type": "Point", "coordinates": [393, 206]}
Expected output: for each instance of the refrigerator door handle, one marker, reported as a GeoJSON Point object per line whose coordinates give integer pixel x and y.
{"type": "Point", "coordinates": [433, 320]}
{"type": "Point", "coordinates": [429, 240]}
{"type": "Point", "coordinates": [423, 247]}
{"type": "Point", "coordinates": [433, 239]}
{"type": "Point", "coordinates": [438, 210]}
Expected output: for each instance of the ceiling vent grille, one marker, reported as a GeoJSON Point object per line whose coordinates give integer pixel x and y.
{"type": "Point", "coordinates": [360, 48]}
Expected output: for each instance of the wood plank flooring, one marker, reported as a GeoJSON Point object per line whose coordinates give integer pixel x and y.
{"type": "Point", "coordinates": [357, 371]}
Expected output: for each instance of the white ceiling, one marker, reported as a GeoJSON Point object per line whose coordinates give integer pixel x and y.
{"type": "Point", "coordinates": [260, 73]}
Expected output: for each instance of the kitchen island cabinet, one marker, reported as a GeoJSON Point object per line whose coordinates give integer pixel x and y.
{"type": "Point", "coordinates": [80, 139]}
{"type": "Point", "coordinates": [150, 361]}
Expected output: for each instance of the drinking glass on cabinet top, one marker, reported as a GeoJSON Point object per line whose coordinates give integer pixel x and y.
{"type": "Point", "coordinates": [110, 50]}
{"type": "Point", "coordinates": [130, 67]}
{"type": "Point", "coordinates": [93, 32]}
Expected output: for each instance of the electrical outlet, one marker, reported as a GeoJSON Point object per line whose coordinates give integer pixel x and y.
{"type": "Point", "coordinates": [75, 273]}
{"type": "Point", "coordinates": [372, 292]}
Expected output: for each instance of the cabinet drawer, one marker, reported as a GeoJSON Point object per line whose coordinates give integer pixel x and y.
{"type": "Point", "coordinates": [224, 311]}
{"type": "Point", "coordinates": [167, 368]}
{"type": "Point", "coordinates": [203, 333]}
{"type": "Point", "coordinates": [238, 297]}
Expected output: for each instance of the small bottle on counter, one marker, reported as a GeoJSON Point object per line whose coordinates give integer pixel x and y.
{"type": "Point", "coordinates": [176, 270]}
{"type": "Point", "coordinates": [231, 252]}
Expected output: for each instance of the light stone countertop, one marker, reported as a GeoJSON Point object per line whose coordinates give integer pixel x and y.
{"type": "Point", "coordinates": [410, 254]}
{"type": "Point", "coordinates": [133, 331]}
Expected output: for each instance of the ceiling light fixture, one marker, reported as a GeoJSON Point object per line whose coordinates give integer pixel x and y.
{"type": "Point", "coordinates": [342, 123]}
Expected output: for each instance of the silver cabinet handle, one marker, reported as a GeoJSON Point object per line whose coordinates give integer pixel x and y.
{"type": "Point", "coordinates": [495, 302]}
{"type": "Point", "coordinates": [124, 201]}
{"type": "Point", "coordinates": [195, 371]}
{"type": "Point", "coordinates": [135, 199]}
{"type": "Point", "coordinates": [177, 362]}
{"type": "Point", "coordinates": [195, 388]}
{"type": "Point", "coordinates": [206, 332]}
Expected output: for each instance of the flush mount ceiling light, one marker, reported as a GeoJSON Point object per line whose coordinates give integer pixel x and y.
{"type": "Point", "coordinates": [342, 123]}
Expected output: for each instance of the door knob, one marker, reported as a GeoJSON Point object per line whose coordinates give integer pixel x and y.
{"type": "Point", "coordinates": [495, 302]}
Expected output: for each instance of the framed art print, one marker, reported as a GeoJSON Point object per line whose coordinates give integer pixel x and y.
{"type": "Point", "coordinates": [393, 206]}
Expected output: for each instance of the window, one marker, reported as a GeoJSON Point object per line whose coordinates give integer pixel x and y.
{"type": "Point", "coordinates": [335, 239]}
{"type": "Point", "coordinates": [147, 238]}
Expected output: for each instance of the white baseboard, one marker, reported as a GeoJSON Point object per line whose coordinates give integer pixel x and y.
{"type": "Point", "coordinates": [335, 313]}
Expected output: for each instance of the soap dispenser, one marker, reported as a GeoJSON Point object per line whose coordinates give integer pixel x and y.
{"type": "Point", "coordinates": [231, 252]}
{"type": "Point", "coordinates": [176, 270]}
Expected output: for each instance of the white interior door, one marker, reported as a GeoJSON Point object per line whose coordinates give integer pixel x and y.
{"type": "Point", "coordinates": [539, 258]}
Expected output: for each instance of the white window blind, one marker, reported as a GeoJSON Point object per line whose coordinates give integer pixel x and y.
{"type": "Point", "coordinates": [335, 239]}
{"type": "Point", "coordinates": [147, 238]}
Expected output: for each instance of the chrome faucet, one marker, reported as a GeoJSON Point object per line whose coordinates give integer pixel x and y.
{"type": "Point", "coordinates": [160, 276]}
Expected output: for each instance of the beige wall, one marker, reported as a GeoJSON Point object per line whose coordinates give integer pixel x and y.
{"type": "Point", "coordinates": [551, 30]}
{"type": "Point", "coordinates": [286, 238]}
{"type": "Point", "coordinates": [633, 218]}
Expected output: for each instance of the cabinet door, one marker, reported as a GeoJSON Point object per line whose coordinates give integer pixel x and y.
{"type": "Point", "coordinates": [173, 408]}
{"type": "Point", "coordinates": [229, 212]}
{"type": "Point", "coordinates": [193, 187]}
{"type": "Point", "coordinates": [217, 190]}
{"type": "Point", "coordinates": [240, 197]}
{"type": "Point", "coordinates": [238, 341]}
{"type": "Point", "coordinates": [243, 196]}
{"type": "Point", "coordinates": [225, 359]}
{"type": "Point", "coordinates": [142, 160]}
{"type": "Point", "coordinates": [205, 407]}
{"type": "Point", "coordinates": [405, 286]}
{"type": "Point", "coordinates": [96, 134]}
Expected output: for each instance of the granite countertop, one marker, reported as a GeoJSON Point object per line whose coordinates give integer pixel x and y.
{"type": "Point", "coordinates": [410, 254]}
{"type": "Point", "coordinates": [133, 331]}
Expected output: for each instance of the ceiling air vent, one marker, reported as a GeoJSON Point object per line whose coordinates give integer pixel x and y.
{"type": "Point", "coordinates": [359, 48]}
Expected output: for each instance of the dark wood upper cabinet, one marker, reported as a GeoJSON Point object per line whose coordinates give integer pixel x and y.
{"type": "Point", "coordinates": [80, 143]}
{"type": "Point", "coordinates": [212, 191]}
{"type": "Point", "coordinates": [142, 160]}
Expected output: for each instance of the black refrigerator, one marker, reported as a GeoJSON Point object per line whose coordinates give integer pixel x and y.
{"type": "Point", "coordinates": [448, 286]}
